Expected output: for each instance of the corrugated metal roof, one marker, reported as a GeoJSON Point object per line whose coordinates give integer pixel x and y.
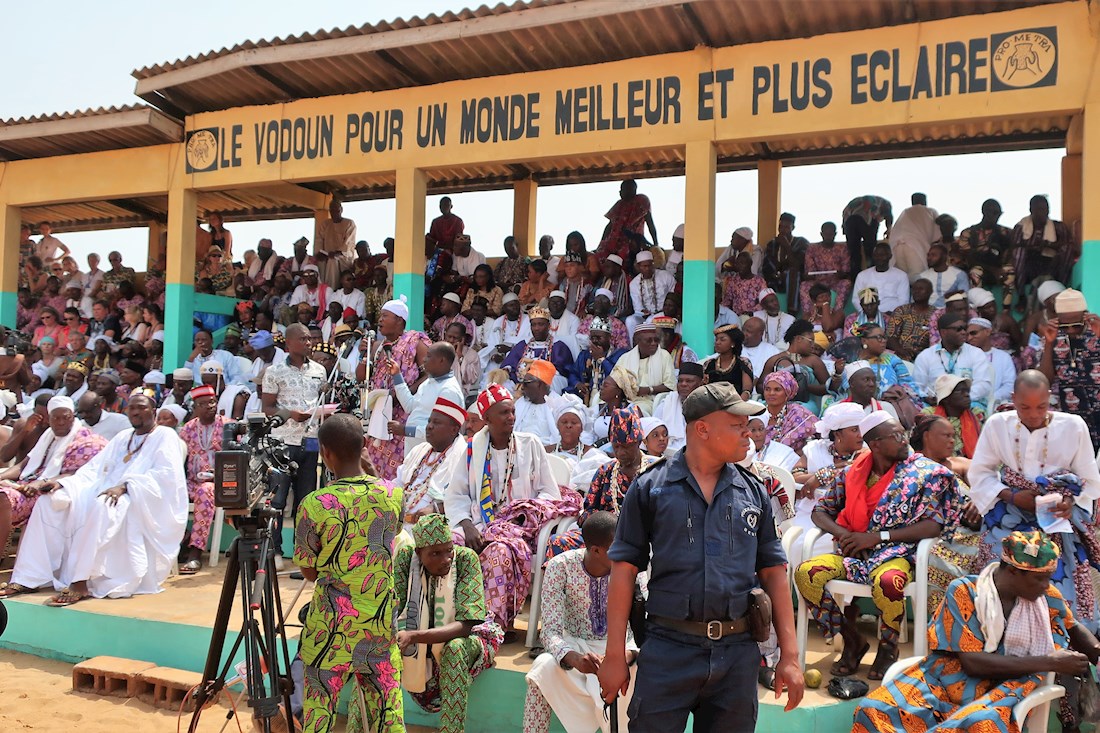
{"type": "Point", "coordinates": [87, 131]}
{"type": "Point", "coordinates": [507, 39]}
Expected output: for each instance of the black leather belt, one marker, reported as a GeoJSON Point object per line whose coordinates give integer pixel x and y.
{"type": "Point", "coordinates": [713, 630]}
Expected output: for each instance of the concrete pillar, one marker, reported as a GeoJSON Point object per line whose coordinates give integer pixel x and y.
{"type": "Point", "coordinates": [157, 242]}
{"type": "Point", "coordinates": [699, 190]}
{"type": "Point", "coordinates": [769, 174]}
{"type": "Point", "coordinates": [1090, 217]}
{"type": "Point", "coordinates": [1072, 202]}
{"type": "Point", "coordinates": [10, 221]}
{"type": "Point", "coordinates": [408, 249]}
{"type": "Point", "coordinates": [524, 207]}
{"type": "Point", "coordinates": [179, 291]}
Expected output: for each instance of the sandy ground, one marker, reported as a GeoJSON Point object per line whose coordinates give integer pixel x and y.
{"type": "Point", "coordinates": [36, 695]}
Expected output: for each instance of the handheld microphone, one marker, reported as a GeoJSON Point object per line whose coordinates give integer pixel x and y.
{"type": "Point", "coordinates": [274, 421]}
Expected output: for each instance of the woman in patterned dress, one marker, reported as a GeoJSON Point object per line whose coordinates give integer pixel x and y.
{"type": "Point", "coordinates": [612, 479]}
{"type": "Point", "coordinates": [741, 288]}
{"type": "Point", "coordinates": [408, 349]}
{"type": "Point", "coordinates": [788, 422]}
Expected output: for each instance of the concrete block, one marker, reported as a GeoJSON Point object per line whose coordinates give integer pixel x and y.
{"type": "Point", "coordinates": [109, 676]}
{"type": "Point", "coordinates": [164, 687]}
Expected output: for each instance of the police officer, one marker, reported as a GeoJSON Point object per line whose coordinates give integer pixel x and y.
{"type": "Point", "coordinates": [713, 541]}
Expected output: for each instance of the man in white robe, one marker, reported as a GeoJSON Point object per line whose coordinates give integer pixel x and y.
{"type": "Point", "coordinates": [1001, 367]}
{"type": "Point", "coordinates": [563, 323]}
{"type": "Point", "coordinates": [646, 369]}
{"type": "Point", "coordinates": [112, 529]}
{"type": "Point", "coordinates": [335, 245]}
{"type": "Point", "coordinates": [670, 407]}
{"type": "Point", "coordinates": [647, 290]}
{"type": "Point", "coordinates": [428, 467]}
{"type": "Point", "coordinates": [501, 467]}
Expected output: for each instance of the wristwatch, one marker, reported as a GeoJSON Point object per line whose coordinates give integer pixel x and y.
{"type": "Point", "coordinates": [884, 535]}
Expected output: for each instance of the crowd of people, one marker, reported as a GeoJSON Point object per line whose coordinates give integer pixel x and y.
{"type": "Point", "coordinates": [892, 378]}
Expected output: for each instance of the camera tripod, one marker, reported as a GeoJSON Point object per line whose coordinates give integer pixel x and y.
{"type": "Point", "coordinates": [251, 569]}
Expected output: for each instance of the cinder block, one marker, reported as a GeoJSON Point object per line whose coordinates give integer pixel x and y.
{"type": "Point", "coordinates": [109, 676]}
{"type": "Point", "coordinates": [164, 687]}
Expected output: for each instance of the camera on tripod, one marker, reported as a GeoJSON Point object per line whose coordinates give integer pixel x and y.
{"type": "Point", "coordinates": [252, 469]}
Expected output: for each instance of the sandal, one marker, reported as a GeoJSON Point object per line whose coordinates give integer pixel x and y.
{"type": "Point", "coordinates": [534, 652]}
{"type": "Point", "coordinates": [883, 659]}
{"type": "Point", "coordinates": [766, 677]}
{"type": "Point", "coordinates": [190, 567]}
{"type": "Point", "coordinates": [7, 590]}
{"type": "Point", "coordinates": [848, 667]}
{"type": "Point", "coordinates": [66, 598]}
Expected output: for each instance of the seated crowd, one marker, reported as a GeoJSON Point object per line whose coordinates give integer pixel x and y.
{"type": "Point", "coordinates": [904, 398]}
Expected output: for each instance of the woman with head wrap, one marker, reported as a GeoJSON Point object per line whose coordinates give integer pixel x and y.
{"type": "Point", "coordinates": [788, 422]}
{"type": "Point", "coordinates": [570, 417]}
{"type": "Point", "coordinates": [612, 397]}
{"type": "Point", "coordinates": [654, 437]}
{"type": "Point", "coordinates": [894, 382]}
{"type": "Point", "coordinates": [868, 312]}
{"type": "Point", "coordinates": [800, 358]}
{"type": "Point", "coordinates": [991, 641]}
{"type": "Point", "coordinates": [611, 481]}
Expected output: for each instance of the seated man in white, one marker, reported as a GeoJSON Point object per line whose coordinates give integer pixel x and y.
{"type": "Point", "coordinates": [112, 529]}
{"type": "Point", "coordinates": [670, 407]}
{"type": "Point", "coordinates": [646, 370]}
{"type": "Point", "coordinates": [647, 290]}
{"type": "Point", "coordinates": [533, 413]}
{"type": "Point", "coordinates": [953, 355]}
{"type": "Point", "coordinates": [574, 634]}
{"type": "Point", "coordinates": [427, 468]}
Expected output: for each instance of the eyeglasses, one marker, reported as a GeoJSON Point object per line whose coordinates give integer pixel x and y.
{"type": "Point", "coordinates": [897, 435]}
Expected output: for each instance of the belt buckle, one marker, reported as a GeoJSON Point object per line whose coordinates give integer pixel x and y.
{"type": "Point", "coordinates": [714, 630]}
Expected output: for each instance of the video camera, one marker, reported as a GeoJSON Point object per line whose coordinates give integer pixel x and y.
{"type": "Point", "coordinates": [14, 342]}
{"type": "Point", "coordinates": [247, 472]}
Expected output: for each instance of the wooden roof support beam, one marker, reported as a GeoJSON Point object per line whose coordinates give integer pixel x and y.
{"type": "Point", "coordinates": [293, 194]}
{"type": "Point", "coordinates": [691, 20]}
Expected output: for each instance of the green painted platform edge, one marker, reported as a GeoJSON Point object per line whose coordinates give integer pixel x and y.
{"type": "Point", "coordinates": [71, 635]}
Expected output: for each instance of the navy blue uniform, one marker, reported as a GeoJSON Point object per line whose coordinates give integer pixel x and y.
{"type": "Point", "coordinates": [705, 560]}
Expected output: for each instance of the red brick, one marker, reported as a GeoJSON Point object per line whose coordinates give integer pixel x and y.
{"type": "Point", "coordinates": [109, 676]}
{"type": "Point", "coordinates": [164, 687]}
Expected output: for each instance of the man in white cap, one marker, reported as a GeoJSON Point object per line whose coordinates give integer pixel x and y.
{"type": "Point", "coordinates": [740, 241]}
{"type": "Point", "coordinates": [510, 328]}
{"type": "Point", "coordinates": [892, 284]}
{"type": "Point", "coordinates": [676, 256]}
{"type": "Point", "coordinates": [317, 294]}
{"type": "Point", "coordinates": [114, 527]}
{"type": "Point", "coordinates": [428, 467]}
{"type": "Point", "coordinates": [979, 332]}
{"type": "Point", "coordinates": [953, 355]}
{"type": "Point", "coordinates": [183, 379]}
{"type": "Point", "coordinates": [449, 307]}
{"type": "Point", "coordinates": [1047, 293]}
{"type": "Point", "coordinates": [502, 467]}
{"type": "Point", "coordinates": [647, 290]}
{"type": "Point", "coordinates": [1071, 358]}
{"type": "Point", "coordinates": [563, 323]}
{"type": "Point", "coordinates": [617, 282]}
{"type": "Point", "coordinates": [335, 245]}
{"type": "Point", "coordinates": [860, 381]}
{"type": "Point", "coordinates": [878, 510]}
{"type": "Point", "coordinates": [59, 452]}
{"type": "Point", "coordinates": [646, 370]}
{"type": "Point", "coordinates": [776, 322]}
{"type": "Point", "coordinates": [601, 307]}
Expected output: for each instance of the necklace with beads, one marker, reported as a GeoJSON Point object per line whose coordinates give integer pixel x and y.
{"type": "Point", "coordinates": [1042, 455]}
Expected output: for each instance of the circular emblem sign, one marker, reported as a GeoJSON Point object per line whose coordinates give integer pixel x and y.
{"type": "Point", "coordinates": [1024, 59]}
{"type": "Point", "coordinates": [202, 149]}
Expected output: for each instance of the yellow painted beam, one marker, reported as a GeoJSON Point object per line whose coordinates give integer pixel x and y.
{"type": "Point", "coordinates": [699, 194]}
{"type": "Point", "coordinates": [524, 209]}
{"type": "Point", "coordinates": [157, 241]}
{"type": "Point", "coordinates": [408, 249]}
{"type": "Point", "coordinates": [129, 173]}
{"type": "Point", "coordinates": [769, 182]}
{"type": "Point", "coordinates": [1072, 201]}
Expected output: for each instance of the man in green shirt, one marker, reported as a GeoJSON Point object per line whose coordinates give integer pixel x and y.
{"type": "Point", "coordinates": [442, 628]}
{"type": "Point", "coordinates": [343, 540]}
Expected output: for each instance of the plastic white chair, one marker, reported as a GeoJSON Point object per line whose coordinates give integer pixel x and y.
{"type": "Point", "coordinates": [844, 591]}
{"type": "Point", "coordinates": [560, 468]}
{"type": "Point", "coordinates": [786, 480]}
{"type": "Point", "coordinates": [1038, 701]}
{"type": "Point", "coordinates": [554, 526]}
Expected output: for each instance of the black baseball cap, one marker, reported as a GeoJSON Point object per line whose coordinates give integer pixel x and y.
{"type": "Point", "coordinates": [718, 397]}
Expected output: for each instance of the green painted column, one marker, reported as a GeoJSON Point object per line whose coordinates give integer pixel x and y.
{"type": "Point", "coordinates": [698, 306]}
{"type": "Point", "coordinates": [408, 252]}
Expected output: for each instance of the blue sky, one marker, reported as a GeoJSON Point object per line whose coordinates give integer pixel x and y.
{"type": "Point", "coordinates": [66, 55]}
